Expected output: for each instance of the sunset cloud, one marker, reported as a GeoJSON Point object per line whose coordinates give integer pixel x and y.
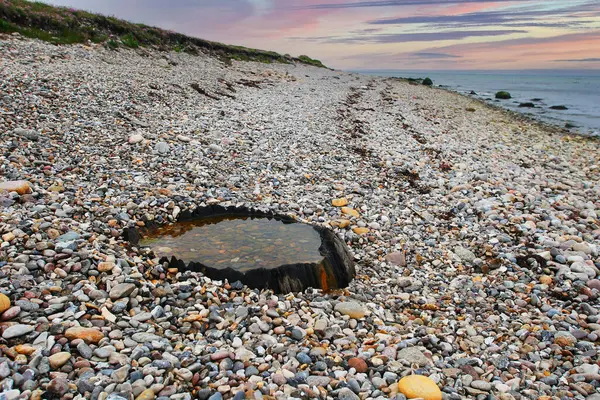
{"type": "Point", "coordinates": [414, 37]}
{"type": "Point", "coordinates": [392, 3]}
{"type": "Point", "coordinates": [428, 34]}
{"type": "Point", "coordinates": [435, 55]}
{"type": "Point", "coordinates": [582, 60]}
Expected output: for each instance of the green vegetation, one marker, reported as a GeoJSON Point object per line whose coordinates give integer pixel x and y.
{"type": "Point", "coordinates": [416, 81]}
{"type": "Point", "coordinates": [112, 44]}
{"type": "Point", "coordinates": [503, 95]}
{"type": "Point", "coordinates": [61, 25]}
{"type": "Point", "coordinates": [311, 61]}
{"type": "Point", "coordinates": [130, 41]}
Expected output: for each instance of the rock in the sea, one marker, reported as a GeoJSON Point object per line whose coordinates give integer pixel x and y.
{"type": "Point", "coordinates": [21, 187]}
{"type": "Point", "coordinates": [351, 309]}
{"type": "Point", "coordinates": [419, 386]}
{"type": "Point", "coordinates": [89, 335]}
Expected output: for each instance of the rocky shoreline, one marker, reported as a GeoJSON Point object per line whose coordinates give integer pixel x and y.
{"type": "Point", "coordinates": [475, 235]}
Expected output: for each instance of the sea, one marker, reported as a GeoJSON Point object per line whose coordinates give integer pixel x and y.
{"type": "Point", "coordinates": [577, 90]}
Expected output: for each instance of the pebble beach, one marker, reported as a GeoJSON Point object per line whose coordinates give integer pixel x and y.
{"type": "Point", "coordinates": [475, 234]}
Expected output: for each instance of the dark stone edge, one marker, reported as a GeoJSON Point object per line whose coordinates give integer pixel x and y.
{"type": "Point", "coordinates": [338, 263]}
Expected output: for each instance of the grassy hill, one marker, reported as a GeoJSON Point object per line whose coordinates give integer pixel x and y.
{"type": "Point", "coordinates": [60, 25]}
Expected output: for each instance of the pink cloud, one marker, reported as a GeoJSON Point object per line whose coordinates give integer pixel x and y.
{"type": "Point", "coordinates": [515, 53]}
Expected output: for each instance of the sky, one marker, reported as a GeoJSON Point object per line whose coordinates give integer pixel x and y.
{"type": "Point", "coordinates": [387, 34]}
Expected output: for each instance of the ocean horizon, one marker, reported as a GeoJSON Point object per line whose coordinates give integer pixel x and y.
{"type": "Point", "coordinates": [577, 90]}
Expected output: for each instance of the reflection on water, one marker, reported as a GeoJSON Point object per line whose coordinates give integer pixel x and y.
{"type": "Point", "coordinates": [240, 243]}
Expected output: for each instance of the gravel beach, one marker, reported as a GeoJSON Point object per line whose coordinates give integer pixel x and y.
{"type": "Point", "coordinates": [476, 235]}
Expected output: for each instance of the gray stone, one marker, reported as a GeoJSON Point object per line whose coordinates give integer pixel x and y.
{"type": "Point", "coordinates": [84, 350]}
{"type": "Point", "coordinates": [145, 337]}
{"type": "Point", "coordinates": [162, 148]}
{"type": "Point", "coordinates": [121, 290]}
{"type": "Point", "coordinates": [464, 254]}
{"type": "Point", "coordinates": [347, 394]}
{"type": "Point", "coordinates": [413, 355]}
{"type": "Point", "coordinates": [318, 380]}
{"type": "Point", "coordinates": [29, 134]}
{"type": "Point", "coordinates": [17, 330]}
{"type": "Point", "coordinates": [481, 385]}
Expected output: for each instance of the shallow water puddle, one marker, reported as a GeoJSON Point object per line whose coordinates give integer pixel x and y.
{"type": "Point", "coordinates": [262, 250]}
{"type": "Point", "coordinates": [237, 242]}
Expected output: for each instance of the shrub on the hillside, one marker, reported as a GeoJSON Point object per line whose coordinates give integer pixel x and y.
{"type": "Point", "coordinates": [130, 41]}
{"type": "Point", "coordinates": [427, 82]}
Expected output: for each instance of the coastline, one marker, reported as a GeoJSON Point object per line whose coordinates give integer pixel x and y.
{"type": "Point", "coordinates": [455, 82]}
{"type": "Point", "coordinates": [527, 118]}
{"type": "Point", "coordinates": [475, 237]}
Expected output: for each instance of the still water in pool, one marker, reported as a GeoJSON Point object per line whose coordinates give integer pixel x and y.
{"type": "Point", "coordinates": [240, 243]}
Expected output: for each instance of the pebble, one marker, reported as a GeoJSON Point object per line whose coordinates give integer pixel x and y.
{"type": "Point", "coordinates": [412, 355]}
{"type": "Point", "coordinates": [464, 254]}
{"type": "Point", "coordinates": [481, 385]}
{"type": "Point", "coordinates": [121, 290]}
{"type": "Point", "coordinates": [20, 187]}
{"type": "Point", "coordinates": [358, 364]}
{"type": "Point", "coordinates": [57, 360]}
{"type": "Point", "coordinates": [351, 309]}
{"type": "Point", "coordinates": [418, 386]}
{"type": "Point", "coordinates": [147, 394]}
{"type": "Point", "coordinates": [135, 138]}
{"type": "Point", "coordinates": [14, 331]}
{"type": "Point", "coordinates": [162, 148]}
{"type": "Point", "coordinates": [89, 335]}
